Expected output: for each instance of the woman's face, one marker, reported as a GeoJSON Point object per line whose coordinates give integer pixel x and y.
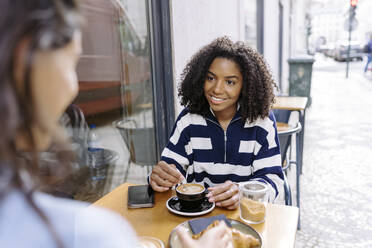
{"type": "Point", "coordinates": [223, 85]}
{"type": "Point", "coordinates": [54, 85]}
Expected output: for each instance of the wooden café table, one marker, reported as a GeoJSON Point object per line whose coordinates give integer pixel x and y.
{"type": "Point", "coordinates": [278, 230]}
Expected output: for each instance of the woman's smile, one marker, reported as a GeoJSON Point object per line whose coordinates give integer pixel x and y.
{"type": "Point", "coordinates": [217, 100]}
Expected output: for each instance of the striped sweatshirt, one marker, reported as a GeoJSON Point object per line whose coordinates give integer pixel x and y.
{"type": "Point", "coordinates": [200, 148]}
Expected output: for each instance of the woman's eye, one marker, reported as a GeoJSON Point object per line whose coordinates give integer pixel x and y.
{"type": "Point", "coordinates": [209, 78]}
{"type": "Point", "coordinates": [229, 82]}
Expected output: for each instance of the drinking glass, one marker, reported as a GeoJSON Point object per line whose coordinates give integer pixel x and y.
{"type": "Point", "coordinates": [253, 200]}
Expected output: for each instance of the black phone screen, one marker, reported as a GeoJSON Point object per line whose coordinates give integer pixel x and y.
{"type": "Point", "coordinates": [140, 196]}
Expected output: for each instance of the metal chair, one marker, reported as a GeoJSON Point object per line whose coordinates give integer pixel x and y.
{"type": "Point", "coordinates": [282, 117]}
{"type": "Point", "coordinates": [140, 142]}
{"type": "Point", "coordinates": [285, 133]}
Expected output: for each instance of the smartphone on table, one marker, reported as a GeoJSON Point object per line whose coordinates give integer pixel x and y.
{"type": "Point", "coordinates": [140, 196]}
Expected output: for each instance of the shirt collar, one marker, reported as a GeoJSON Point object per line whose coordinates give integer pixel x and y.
{"type": "Point", "coordinates": [237, 114]}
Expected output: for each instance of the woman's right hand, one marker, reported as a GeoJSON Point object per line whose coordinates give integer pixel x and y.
{"type": "Point", "coordinates": [165, 176]}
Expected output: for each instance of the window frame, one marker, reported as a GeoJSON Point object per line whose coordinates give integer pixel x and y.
{"type": "Point", "coordinates": [162, 70]}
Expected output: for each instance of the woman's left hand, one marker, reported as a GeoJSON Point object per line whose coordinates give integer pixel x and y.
{"type": "Point", "coordinates": [224, 195]}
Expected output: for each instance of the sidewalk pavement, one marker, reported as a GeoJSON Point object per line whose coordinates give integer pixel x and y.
{"type": "Point", "coordinates": [336, 184]}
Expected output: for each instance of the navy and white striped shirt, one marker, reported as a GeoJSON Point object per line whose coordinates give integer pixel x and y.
{"type": "Point", "coordinates": [210, 155]}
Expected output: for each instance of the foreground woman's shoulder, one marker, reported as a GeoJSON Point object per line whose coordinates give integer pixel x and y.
{"type": "Point", "coordinates": [92, 226]}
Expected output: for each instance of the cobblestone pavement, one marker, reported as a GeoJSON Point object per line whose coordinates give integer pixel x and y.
{"type": "Point", "coordinates": [336, 184]}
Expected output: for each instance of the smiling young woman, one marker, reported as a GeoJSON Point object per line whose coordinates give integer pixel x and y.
{"type": "Point", "coordinates": [226, 134]}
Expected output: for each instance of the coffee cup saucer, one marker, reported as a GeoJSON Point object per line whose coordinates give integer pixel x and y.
{"type": "Point", "coordinates": [173, 205]}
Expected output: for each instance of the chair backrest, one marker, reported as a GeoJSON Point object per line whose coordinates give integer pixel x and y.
{"type": "Point", "coordinates": [74, 122]}
{"type": "Point", "coordinates": [282, 115]}
{"type": "Point", "coordinates": [285, 139]}
{"type": "Point", "coordinates": [140, 142]}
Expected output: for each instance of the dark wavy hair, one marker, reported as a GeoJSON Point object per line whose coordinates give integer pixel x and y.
{"type": "Point", "coordinates": [41, 25]}
{"type": "Point", "coordinates": [257, 95]}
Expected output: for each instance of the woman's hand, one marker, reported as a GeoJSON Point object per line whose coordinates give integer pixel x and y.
{"type": "Point", "coordinates": [165, 176]}
{"type": "Point", "coordinates": [224, 195]}
{"type": "Point", "coordinates": [217, 237]}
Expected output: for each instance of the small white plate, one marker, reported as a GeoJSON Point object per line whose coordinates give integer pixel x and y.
{"type": "Point", "coordinates": [208, 208]}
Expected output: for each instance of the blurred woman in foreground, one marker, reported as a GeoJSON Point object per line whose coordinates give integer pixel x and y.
{"type": "Point", "coordinates": [40, 42]}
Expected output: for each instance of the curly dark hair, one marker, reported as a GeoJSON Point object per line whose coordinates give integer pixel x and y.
{"type": "Point", "coordinates": [257, 95]}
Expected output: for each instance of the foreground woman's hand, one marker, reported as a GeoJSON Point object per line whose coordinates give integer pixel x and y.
{"type": "Point", "coordinates": [216, 237]}
{"type": "Point", "coordinates": [224, 195]}
{"type": "Point", "coordinates": [165, 176]}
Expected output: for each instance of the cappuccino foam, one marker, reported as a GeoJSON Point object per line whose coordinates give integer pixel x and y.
{"type": "Point", "coordinates": [190, 188]}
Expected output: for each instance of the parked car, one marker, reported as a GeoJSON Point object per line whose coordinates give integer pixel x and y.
{"type": "Point", "coordinates": [341, 50]}
{"type": "Point", "coordinates": [322, 48]}
{"type": "Point", "coordinates": [329, 49]}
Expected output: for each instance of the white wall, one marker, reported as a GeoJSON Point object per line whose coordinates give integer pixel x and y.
{"type": "Point", "coordinates": [195, 23]}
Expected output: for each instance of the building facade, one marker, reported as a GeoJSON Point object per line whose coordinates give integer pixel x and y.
{"type": "Point", "coordinates": [329, 22]}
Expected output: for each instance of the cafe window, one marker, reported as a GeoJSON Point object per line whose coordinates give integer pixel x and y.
{"type": "Point", "coordinates": [115, 98]}
{"type": "Point", "coordinates": [253, 23]}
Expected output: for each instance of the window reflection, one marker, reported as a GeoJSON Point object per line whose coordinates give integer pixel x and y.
{"type": "Point", "coordinates": [116, 96]}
